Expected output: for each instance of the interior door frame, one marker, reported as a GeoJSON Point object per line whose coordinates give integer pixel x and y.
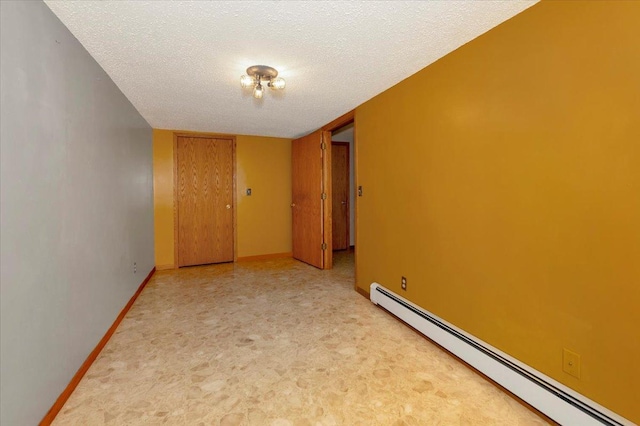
{"type": "Point", "coordinates": [343, 120]}
{"type": "Point", "coordinates": [176, 235]}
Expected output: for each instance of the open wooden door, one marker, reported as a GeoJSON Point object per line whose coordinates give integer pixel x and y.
{"type": "Point", "coordinates": [311, 199]}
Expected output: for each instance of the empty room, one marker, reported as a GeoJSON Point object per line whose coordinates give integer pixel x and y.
{"type": "Point", "coordinates": [319, 213]}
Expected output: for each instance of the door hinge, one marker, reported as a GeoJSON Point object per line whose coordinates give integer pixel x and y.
{"type": "Point", "coordinates": [324, 246]}
{"type": "Point", "coordinates": [323, 146]}
{"type": "Point", "coordinates": [323, 196]}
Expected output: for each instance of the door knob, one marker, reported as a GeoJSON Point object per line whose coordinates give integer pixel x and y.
{"type": "Point", "coordinates": [343, 202]}
{"type": "Point", "coordinates": [228, 206]}
{"type": "Point", "coordinates": [293, 204]}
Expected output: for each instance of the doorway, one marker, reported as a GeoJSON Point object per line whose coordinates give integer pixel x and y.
{"type": "Point", "coordinates": [343, 180]}
{"type": "Point", "coordinates": [205, 199]}
{"type": "Point", "coordinates": [340, 195]}
{"type": "Point", "coordinates": [343, 193]}
{"type": "Point", "coordinates": [312, 201]}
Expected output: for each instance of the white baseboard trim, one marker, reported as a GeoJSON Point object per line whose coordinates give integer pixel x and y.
{"type": "Point", "coordinates": [552, 398]}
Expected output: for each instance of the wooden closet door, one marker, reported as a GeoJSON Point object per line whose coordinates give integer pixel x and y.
{"type": "Point", "coordinates": [205, 200]}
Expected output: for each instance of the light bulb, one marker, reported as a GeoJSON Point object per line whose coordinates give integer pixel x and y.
{"type": "Point", "coordinates": [247, 81]}
{"type": "Point", "coordinates": [277, 83]}
{"type": "Point", "coordinates": [258, 91]}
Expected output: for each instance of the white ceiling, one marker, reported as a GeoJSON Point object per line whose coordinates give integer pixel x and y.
{"type": "Point", "coordinates": [179, 63]}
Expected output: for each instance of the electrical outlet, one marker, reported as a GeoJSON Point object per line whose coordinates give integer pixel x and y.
{"type": "Point", "coordinates": [403, 283]}
{"type": "Point", "coordinates": [571, 363]}
{"type": "Point", "coordinates": [135, 267]}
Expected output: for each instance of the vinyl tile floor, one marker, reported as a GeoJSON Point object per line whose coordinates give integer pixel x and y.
{"type": "Point", "coordinates": [276, 343]}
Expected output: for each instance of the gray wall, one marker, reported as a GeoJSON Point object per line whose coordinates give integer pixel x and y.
{"type": "Point", "coordinates": [76, 207]}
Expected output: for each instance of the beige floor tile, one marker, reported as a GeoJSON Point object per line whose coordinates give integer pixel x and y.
{"type": "Point", "coordinates": [276, 343]}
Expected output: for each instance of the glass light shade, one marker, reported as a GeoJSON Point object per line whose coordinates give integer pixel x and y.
{"type": "Point", "coordinates": [278, 83]}
{"type": "Point", "coordinates": [258, 91]}
{"type": "Point", "coordinates": [247, 81]}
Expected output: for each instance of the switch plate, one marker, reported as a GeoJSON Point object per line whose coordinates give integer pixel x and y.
{"type": "Point", "coordinates": [248, 191]}
{"type": "Point", "coordinates": [403, 283]}
{"type": "Point", "coordinates": [571, 363]}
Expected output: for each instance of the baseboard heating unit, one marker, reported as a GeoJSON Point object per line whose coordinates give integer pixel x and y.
{"type": "Point", "coordinates": [555, 400]}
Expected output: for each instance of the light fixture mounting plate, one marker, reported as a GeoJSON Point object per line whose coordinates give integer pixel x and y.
{"type": "Point", "coordinates": [262, 71]}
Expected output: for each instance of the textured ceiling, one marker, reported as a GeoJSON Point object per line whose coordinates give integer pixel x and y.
{"type": "Point", "coordinates": [179, 63]}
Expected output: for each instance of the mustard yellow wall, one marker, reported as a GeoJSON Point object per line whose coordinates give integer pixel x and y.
{"type": "Point", "coordinates": [163, 197]}
{"type": "Point", "coordinates": [263, 219]}
{"type": "Point", "coordinates": [504, 182]}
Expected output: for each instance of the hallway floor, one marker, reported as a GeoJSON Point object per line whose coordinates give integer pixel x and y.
{"type": "Point", "coordinates": [276, 343]}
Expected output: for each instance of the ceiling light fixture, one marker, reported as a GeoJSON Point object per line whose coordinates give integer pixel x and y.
{"type": "Point", "coordinates": [259, 74]}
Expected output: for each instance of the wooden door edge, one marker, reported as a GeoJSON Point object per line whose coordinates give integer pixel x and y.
{"type": "Point", "coordinates": [234, 200]}
{"type": "Point", "coordinates": [176, 259]}
{"type": "Point", "coordinates": [327, 208]}
{"type": "Point", "coordinates": [349, 190]}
